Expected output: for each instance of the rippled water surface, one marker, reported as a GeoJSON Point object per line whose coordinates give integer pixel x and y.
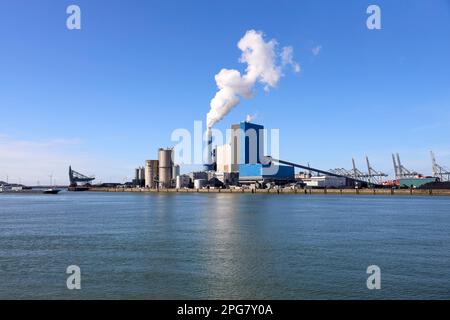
{"type": "Point", "coordinates": [180, 246]}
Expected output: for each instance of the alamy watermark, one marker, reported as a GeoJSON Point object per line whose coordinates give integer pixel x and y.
{"type": "Point", "coordinates": [74, 279]}
{"type": "Point", "coordinates": [373, 22]}
{"type": "Point", "coordinates": [73, 21]}
{"type": "Point", "coordinates": [196, 146]}
{"type": "Point", "coordinates": [374, 280]}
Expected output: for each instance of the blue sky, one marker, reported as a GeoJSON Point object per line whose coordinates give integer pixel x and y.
{"type": "Point", "coordinates": [105, 97]}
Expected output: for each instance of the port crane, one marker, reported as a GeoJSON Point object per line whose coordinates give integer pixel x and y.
{"type": "Point", "coordinates": [401, 171]}
{"type": "Point", "coordinates": [76, 177]}
{"type": "Point", "coordinates": [438, 171]}
{"type": "Point", "coordinates": [372, 176]}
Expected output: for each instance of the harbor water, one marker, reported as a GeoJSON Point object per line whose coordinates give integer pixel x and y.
{"type": "Point", "coordinates": [223, 246]}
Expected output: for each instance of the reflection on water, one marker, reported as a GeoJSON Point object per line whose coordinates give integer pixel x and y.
{"type": "Point", "coordinates": [223, 246]}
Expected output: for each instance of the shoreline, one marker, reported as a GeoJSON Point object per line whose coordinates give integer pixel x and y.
{"type": "Point", "coordinates": [374, 192]}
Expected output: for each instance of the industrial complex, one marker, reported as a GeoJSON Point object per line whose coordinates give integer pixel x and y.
{"type": "Point", "coordinates": [238, 163]}
{"type": "Point", "coordinates": [243, 163]}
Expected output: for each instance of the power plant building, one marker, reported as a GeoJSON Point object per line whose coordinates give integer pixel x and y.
{"type": "Point", "coordinates": [263, 173]}
{"type": "Point", "coordinates": [247, 154]}
{"type": "Point", "coordinates": [198, 175]}
{"type": "Point", "coordinates": [223, 158]}
{"type": "Point", "coordinates": [247, 143]}
{"type": "Point", "coordinates": [239, 161]}
{"type": "Point", "coordinates": [182, 181]}
{"type": "Point", "coordinates": [228, 178]}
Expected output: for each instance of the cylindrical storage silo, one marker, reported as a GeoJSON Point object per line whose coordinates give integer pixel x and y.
{"type": "Point", "coordinates": [141, 174]}
{"type": "Point", "coordinates": [136, 175]}
{"type": "Point", "coordinates": [147, 173]}
{"type": "Point", "coordinates": [165, 167]}
{"type": "Point", "coordinates": [151, 173]}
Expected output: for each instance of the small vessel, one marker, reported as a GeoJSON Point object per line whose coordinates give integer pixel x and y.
{"type": "Point", "coordinates": [51, 191]}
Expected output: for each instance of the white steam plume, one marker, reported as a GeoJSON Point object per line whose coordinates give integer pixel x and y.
{"type": "Point", "coordinates": [250, 118]}
{"type": "Point", "coordinates": [263, 66]}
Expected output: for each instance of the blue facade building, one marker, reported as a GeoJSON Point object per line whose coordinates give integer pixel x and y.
{"type": "Point", "coordinates": [252, 143]}
{"type": "Point", "coordinates": [247, 156]}
{"type": "Point", "coordinates": [265, 173]}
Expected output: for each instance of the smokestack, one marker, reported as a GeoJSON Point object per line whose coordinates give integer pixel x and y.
{"type": "Point", "coordinates": [209, 137]}
{"type": "Point", "coordinates": [209, 161]}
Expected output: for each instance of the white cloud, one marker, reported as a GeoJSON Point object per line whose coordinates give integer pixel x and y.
{"type": "Point", "coordinates": [316, 50]}
{"type": "Point", "coordinates": [251, 117]}
{"type": "Point", "coordinates": [287, 58]}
